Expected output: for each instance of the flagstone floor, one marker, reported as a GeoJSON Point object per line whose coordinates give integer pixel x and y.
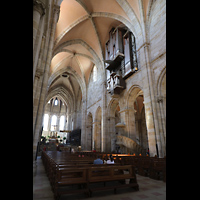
{"type": "Point", "coordinates": [149, 189]}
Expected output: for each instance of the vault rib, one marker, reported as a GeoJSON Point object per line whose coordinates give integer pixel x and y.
{"type": "Point", "coordinates": [80, 66]}
{"type": "Point", "coordinates": [77, 41]}
{"type": "Point", "coordinates": [94, 26]}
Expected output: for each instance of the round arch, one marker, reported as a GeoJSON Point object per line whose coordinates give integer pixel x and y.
{"type": "Point", "coordinates": [136, 116]}
{"type": "Point", "coordinates": [112, 107]}
{"type": "Point", "coordinates": [113, 119]}
{"type": "Point", "coordinates": [133, 92]}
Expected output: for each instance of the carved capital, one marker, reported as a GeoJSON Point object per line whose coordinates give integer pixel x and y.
{"type": "Point", "coordinates": [39, 72]}
{"type": "Point", "coordinates": [56, 10]}
{"type": "Point", "coordinates": [39, 6]}
{"type": "Point", "coordinates": [145, 44]}
{"type": "Point", "coordinates": [160, 99]}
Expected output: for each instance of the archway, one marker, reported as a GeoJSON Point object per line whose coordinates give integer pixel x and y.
{"type": "Point", "coordinates": [113, 119]}
{"type": "Point", "coordinates": [140, 123]}
{"type": "Point", "coordinates": [136, 117]}
{"type": "Point", "coordinates": [89, 130]}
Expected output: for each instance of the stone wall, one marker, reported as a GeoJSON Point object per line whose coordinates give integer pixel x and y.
{"type": "Point", "coordinates": [146, 81]}
{"type": "Point", "coordinates": [95, 109]}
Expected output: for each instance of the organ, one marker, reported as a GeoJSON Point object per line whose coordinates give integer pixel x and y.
{"type": "Point", "coordinates": [120, 58]}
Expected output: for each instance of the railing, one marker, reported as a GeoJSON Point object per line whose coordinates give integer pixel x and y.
{"type": "Point", "coordinates": [115, 84]}
{"type": "Point", "coordinates": [129, 143]}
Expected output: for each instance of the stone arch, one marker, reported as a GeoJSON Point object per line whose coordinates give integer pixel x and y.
{"type": "Point", "coordinates": [60, 48]}
{"type": "Point", "coordinates": [71, 71]}
{"type": "Point", "coordinates": [136, 116]}
{"type": "Point", "coordinates": [137, 32]}
{"type": "Point", "coordinates": [64, 95]}
{"type": "Point", "coordinates": [113, 119]}
{"type": "Point", "coordinates": [67, 98]}
{"type": "Point", "coordinates": [133, 92]}
{"type": "Point", "coordinates": [112, 107]}
{"type": "Point", "coordinates": [59, 38]}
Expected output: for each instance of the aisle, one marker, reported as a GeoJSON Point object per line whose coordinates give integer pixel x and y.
{"type": "Point", "coordinates": [149, 189]}
{"type": "Point", "coordinates": [41, 185]}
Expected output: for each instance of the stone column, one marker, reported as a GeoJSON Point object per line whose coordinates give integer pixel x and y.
{"type": "Point", "coordinates": [49, 123]}
{"type": "Point", "coordinates": [36, 97]}
{"type": "Point", "coordinates": [65, 122]}
{"type": "Point", "coordinates": [68, 122]}
{"type": "Point", "coordinates": [148, 101]}
{"type": "Point", "coordinates": [94, 135]}
{"type": "Point", "coordinates": [111, 133]}
{"type": "Point", "coordinates": [38, 59]}
{"type": "Point", "coordinates": [131, 123]}
{"type": "Point", "coordinates": [39, 73]}
{"type": "Point", "coordinates": [83, 128]}
{"type": "Point", "coordinates": [162, 124]}
{"type": "Point", "coordinates": [43, 89]}
{"type": "Point", "coordinates": [97, 135]}
{"type": "Point", "coordinates": [58, 123]}
{"type": "Point", "coordinates": [38, 12]}
{"type": "Point", "coordinates": [152, 103]}
{"type": "Point", "coordinates": [124, 120]}
{"type": "Point", "coordinates": [104, 116]}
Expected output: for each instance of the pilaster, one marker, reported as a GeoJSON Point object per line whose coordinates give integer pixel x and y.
{"type": "Point", "coordinates": [38, 12]}
{"type": "Point", "coordinates": [148, 101]}
{"type": "Point", "coordinates": [38, 110]}
{"type": "Point", "coordinates": [83, 128]}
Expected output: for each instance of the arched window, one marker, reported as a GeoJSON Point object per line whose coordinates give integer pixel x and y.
{"type": "Point", "coordinates": [94, 73]}
{"type": "Point", "coordinates": [56, 102]}
{"type": "Point", "coordinates": [45, 122]}
{"type": "Point", "coordinates": [53, 122]}
{"type": "Point", "coordinates": [62, 122]}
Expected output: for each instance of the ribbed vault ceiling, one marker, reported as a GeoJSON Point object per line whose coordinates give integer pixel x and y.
{"type": "Point", "coordinates": [82, 31]}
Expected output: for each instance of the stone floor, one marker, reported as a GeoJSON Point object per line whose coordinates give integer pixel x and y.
{"type": "Point", "coordinates": [149, 189]}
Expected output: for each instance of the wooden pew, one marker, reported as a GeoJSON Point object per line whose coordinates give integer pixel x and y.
{"type": "Point", "coordinates": [144, 166]}
{"type": "Point", "coordinates": [158, 169]}
{"type": "Point", "coordinates": [112, 174]}
{"type": "Point", "coordinates": [65, 170]}
{"type": "Point", "coordinates": [68, 177]}
{"type": "Point", "coordinates": [85, 177]}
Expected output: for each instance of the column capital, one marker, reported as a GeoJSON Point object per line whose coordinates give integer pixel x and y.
{"type": "Point", "coordinates": [39, 6]}
{"type": "Point", "coordinates": [160, 99]}
{"type": "Point", "coordinates": [39, 72]}
{"type": "Point", "coordinates": [56, 10]}
{"type": "Point", "coordinates": [145, 44]}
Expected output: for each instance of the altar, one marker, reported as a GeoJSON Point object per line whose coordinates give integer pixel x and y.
{"type": "Point", "coordinates": [53, 138]}
{"type": "Point", "coordinates": [56, 136]}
